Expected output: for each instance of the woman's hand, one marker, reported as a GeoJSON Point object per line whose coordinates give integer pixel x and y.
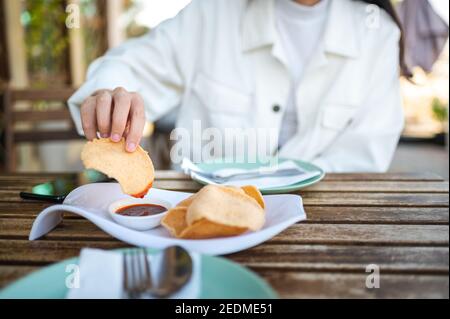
{"type": "Point", "coordinates": [114, 114]}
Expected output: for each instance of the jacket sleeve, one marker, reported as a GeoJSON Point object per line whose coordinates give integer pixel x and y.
{"type": "Point", "coordinates": [369, 142]}
{"type": "Point", "coordinates": [149, 65]}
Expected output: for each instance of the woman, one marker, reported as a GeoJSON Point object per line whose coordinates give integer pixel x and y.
{"type": "Point", "coordinates": [321, 76]}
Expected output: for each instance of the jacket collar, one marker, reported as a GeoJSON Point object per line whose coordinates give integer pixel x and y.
{"type": "Point", "coordinates": [340, 37]}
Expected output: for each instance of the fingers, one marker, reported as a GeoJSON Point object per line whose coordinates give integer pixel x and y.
{"type": "Point", "coordinates": [122, 105]}
{"type": "Point", "coordinates": [88, 118]}
{"type": "Point", "coordinates": [103, 113]}
{"type": "Point", "coordinates": [114, 114]}
{"type": "Point", "coordinates": [137, 123]}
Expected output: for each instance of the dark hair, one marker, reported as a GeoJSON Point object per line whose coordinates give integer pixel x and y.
{"type": "Point", "coordinates": [387, 6]}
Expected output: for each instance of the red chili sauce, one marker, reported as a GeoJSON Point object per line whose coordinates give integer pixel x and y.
{"type": "Point", "coordinates": [141, 210]}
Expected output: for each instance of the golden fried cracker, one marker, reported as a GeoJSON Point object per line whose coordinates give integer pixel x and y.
{"type": "Point", "coordinates": [175, 221]}
{"type": "Point", "coordinates": [254, 193]}
{"type": "Point", "coordinates": [203, 229]}
{"type": "Point", "coordinates": [216, 211]}
{"type": "Point", "coordinates": [134, 171]}
{"type": "Point", "coordinates": [226, 206]}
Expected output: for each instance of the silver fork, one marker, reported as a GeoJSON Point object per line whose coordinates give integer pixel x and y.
{"type": "Point", "coordinates": [176, 271]}
{"type": "Point", "coordinates": [137, 280]}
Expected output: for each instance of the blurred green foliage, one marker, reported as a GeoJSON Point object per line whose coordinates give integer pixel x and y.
{"type": "Point", "coordinates": [440, 110]}
{"type": "Point", "coordinates": [46, 42]}
{"type": "Point", "coordinates": [93, 28]}
{"type": "Point", "coordinates": [47, 39]}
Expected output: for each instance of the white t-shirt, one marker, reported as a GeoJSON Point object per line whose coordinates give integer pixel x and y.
{"type": "Point", "coordinates": [301, 29]}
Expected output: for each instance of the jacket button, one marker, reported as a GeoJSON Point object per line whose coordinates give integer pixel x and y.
{"type": "Point", "coordinates": [276, 108]}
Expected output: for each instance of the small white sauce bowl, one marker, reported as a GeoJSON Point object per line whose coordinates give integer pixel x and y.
{"type": "Point", "coordinates": [140, 223]}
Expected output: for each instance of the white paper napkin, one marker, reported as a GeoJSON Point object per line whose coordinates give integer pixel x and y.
{"type": "Point", "coordinates": [101, 276]}
{"type": "Point", "coordinates": [265, 182]}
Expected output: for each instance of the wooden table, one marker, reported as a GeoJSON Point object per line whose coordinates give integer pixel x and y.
{"type": "Point", "coordinates": [396, 221]}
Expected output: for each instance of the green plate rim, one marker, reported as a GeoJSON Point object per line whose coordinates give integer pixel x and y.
{"type": "Point", "coordinates": [276, 190]}
{"type": "Point", "coordinates": [13, 290]}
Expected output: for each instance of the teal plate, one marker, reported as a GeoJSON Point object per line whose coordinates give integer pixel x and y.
{"type": "Point", "coordinates": [220, 279]}
{"type": "Point", "coordinates": [309, 167]}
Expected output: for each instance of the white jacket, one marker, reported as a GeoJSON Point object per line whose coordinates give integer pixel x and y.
{"type": "Point", "coordinates": [222, 62]}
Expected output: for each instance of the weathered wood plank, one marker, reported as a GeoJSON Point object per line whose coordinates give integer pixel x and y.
{"type": "Point", "coordinates": [62, 114]}
{"type": "Point", "coordinates": [72, 229]}
{"type": "Point", "coordinates": [377, 215]}
{"type": "Point", "coordinates": [418, 176]}
{"type": "Point", "coordinates": [335, 199]}
{"type": "Point", "coordinates": [319, 285]}
{"type": "Point", "coordinates": [61, 94]}
{"type": "Point", "coordinates": [37, 176]}
{"type": "Point", "coordinates": [332, 258]}
{"type": "Point", "coordinates": [22, 209]}
{"type": "Point", "coordinates": [338, 285]}
{"type": "Point", "coordinates": [4, 176]}
{"type": "Point", "coordinates": [380, 187]}
{"type": "Point", "coordinates": [364, 234]}
{"type": "Point", "coordinates": [325, 186]}
{"type": "Point", "coordinates": [51, 135]}
{"type": "Point", "coordinates": [69, 229]}
{"type": "Point", "coordinates": [174, 175]}
{"type": "Point", "coordinates": [336, 186]}
{"type": "Point", "coordinates": [168, 175]}
{"type": "Point", "coordinates": [345, 258]}
{"type": "Point", "coordinates": [43, 252]}
{"type": "Point", "coordinates": [31, 176]}
{"type": "Point", "coordinates": [316, 214]}
{"type": "Point", "coordinates": [375, 199]}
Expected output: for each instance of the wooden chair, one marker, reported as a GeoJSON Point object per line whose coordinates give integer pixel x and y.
{"type": "Point", "coordinates": [12, 137]}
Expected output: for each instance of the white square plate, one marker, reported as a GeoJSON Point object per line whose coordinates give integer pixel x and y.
{"type": "Point", "coordinates": [91, 202]}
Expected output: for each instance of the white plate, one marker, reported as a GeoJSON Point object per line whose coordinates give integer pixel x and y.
{"type": "Point", "coordinates": [313, 175]}
{"type": "Point", "coordinates": [92, 201]}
